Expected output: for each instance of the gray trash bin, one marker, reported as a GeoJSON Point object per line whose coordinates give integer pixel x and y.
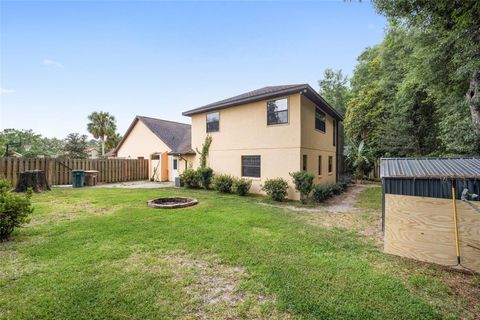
{"type": "Point", "coordinates": [177, 182]}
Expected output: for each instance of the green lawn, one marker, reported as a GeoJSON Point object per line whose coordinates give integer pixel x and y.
{"type": "Point", "coordinates": [371, 199]}
{"type": "Point", "coordinates": [103, 254]}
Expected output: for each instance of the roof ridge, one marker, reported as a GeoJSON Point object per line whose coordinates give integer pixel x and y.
{"type": "Point", "coordinates": [187, 124]}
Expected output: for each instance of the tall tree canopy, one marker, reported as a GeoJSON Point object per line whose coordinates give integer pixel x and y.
{"type": "Point", "coordinates": [447, 51]}
{"type": "Point", "coordinates": [334, 88]}
{"type": "Point", "coordinates": [29, 144]}
{"type": "Point", "coordinates": [76, 146]}
{"type": "Point", "coordinates": [102, 125]}
{"type": "Point", "coordinates": [417, 93]}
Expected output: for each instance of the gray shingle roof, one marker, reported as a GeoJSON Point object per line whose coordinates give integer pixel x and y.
{"type": "Point", "coordinates": [438, 168]}
{"type": "Point", "coordinates": [177, 136]}
{"type": "Point", "coordinates": [267, 93]}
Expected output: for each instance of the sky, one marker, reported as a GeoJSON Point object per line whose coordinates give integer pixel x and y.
{"type": "Point", "coordinates": [62, 60]}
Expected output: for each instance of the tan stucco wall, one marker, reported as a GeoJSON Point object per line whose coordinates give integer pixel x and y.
{"type": "Point", "coordinates": [244, 131]}
{"type": "Point", "coordinates": [142, 142]}
{"type": "Point", "coordinates": [315, 143]}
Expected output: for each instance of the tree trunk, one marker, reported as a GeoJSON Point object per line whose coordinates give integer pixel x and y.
{"type": "Point", "coordinates": [473, 99]}
{"type": "Point", "coordinates": [102, 140]}
{"type": "Point", "coordinates": [34, 179]}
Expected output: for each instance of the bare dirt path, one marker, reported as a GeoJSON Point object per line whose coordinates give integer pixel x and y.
{"type": "Point", "coordinates": [346, 201]}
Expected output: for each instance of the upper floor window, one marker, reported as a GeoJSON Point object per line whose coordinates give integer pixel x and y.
{"type": "Point", "coordinates": [319, 120]}
{"type": "Point", "coordinates": [251, 166]}
{"type": "Point", "coordinates": [277, 111]}
{"type": "Point", "coordinates": [213, 122]}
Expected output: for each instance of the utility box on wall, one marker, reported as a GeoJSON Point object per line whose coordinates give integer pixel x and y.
{"type": "Point", "coordinates": [429, 212]}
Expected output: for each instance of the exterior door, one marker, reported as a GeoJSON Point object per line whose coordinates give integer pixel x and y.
{"type": "Point", "coordinates": [174, 169]}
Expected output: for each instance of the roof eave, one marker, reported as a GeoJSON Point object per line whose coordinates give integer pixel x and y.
{"type": "Point", "coordinates": [306, 90]}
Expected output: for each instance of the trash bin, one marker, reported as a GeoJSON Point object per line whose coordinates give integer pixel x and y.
{"type": "Point", "coordinates": [177, 182]}
{"type": "Point", "coordinates": [78, 178]}
{"type": "Point", "coordinates": [91, 177]}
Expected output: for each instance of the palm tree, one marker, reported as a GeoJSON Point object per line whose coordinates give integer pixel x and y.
{"type": "Point", "coordinates": [359, 158]}
{"type": "Point", "coordinates": [101, 125]}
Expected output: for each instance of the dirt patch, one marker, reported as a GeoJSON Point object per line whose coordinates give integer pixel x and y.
{"type": "Point", "coordinates": [213, 289]}
{"type": "Point", "coordinates": [346, 201]}
{"type": "Point", "coordinates": [68, 212]}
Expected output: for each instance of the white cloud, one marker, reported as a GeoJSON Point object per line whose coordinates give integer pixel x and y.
{"type": "Point", "coordinates": [53, 63]}
{"type": "Point", "coordinates": [6, 91]}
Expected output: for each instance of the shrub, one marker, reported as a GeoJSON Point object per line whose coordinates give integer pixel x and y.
{"type": "Point", "coordinates": [205, 174]}
{"type": "Point", "coordinates": [241, 186]}
{"type": "Point", "coordinates": [322, 192]}
{"type": "Point", "coordinates": [190, 178]}
{"type": "Point", "coordinates": [303, 181]}
{"type": "Point", "coordinates": [223, 183]}
{"type": "Point", "coordinates": [14, 209]}
{"type": "Point", "coordinates": [276, 188]}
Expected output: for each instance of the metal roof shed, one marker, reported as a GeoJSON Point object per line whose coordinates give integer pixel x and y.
{"type": "Point", "coordinates": [420, 217]}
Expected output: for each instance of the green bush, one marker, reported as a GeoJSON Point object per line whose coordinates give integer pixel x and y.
{"type": "Point", "coordinates": [241, 186]}
{"type": "Point", "coordinates": [276, 188]}
{"type": "Point", "coordinates": [190, 178]}
{"type": "Point", "coordinates": [205, 174]}
{"type": "Point", "coordinates": [223, 183]}
{"type": "Point", "coordinates": [322, 192]}
{"type": "Point", "coordinates": [14, 209]}
{"type": "Point", "coordinates": [303, 181]}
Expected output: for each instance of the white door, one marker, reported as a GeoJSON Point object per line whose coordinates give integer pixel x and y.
{"type": "Point", "coordinates": [174, 168]}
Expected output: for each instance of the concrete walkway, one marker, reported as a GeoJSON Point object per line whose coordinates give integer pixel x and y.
{"type": "Point", "coordinates": [137, 185]}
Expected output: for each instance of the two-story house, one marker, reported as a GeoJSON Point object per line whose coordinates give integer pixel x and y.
{"type": "Point", "coordinates": [268, 133]}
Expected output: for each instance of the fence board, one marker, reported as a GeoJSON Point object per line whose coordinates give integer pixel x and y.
{"type": "Point", "coordinates": [58, 171]}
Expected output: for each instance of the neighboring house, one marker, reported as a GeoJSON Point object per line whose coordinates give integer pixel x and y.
{"type": "Point", "coordinates": [268, 133]}
{"type": "Point", "coordinates": [92, 152]}
{"type": "Point", "coordinates": [166, 144]}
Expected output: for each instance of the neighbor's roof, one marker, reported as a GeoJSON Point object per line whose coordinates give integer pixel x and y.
{"type": "Point", "coordinates": [439, 168]}
{"type": "Point", "coordinates": [176, 135]}
{"type": "Point", "coordinates": [268, 93]}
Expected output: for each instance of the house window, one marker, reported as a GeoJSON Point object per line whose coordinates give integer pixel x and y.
{"type": "Point", "coordinates": [213, 122]}
{"type": "Point", "coordinates": [175, 164]}
{"type": "Point", "coordinates": [251, 166]}
{"type": "Point", "coordinates": [319, 120]}
{"type": "Point", "coordinates": [155, 156]}
{"type": "Point", "coordinates": [277, 111]}
{"type": "Point", "coordinates": [304, 162]}
{"type": "Point", "coordinates": [319, 165]}
{"type": "Point", "coordinates": [334, 132]}
{"type": "Point", "coordinates": [330, 164]}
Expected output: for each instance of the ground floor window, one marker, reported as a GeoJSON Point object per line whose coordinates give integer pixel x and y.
{"type": "Point", "coordinates": [304, 163]}
{"type": "Point", "coordinates": [319, 165]}
{"type": "Point", "coordinates": [175, 164]}
{"type": "Point", "coordinates": [251, 166]}
{"type": "Point", "coordinates": [330, 164]}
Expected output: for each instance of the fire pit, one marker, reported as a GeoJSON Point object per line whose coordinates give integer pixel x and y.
{"type": "Point", "coordinates": [172, 203]}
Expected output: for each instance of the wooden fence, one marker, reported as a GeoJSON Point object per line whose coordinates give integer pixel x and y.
{"type": "Point", "coordinates": [58, 171]}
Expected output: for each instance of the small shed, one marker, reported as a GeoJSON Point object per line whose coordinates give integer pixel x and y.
{"type": "Point", "coordinates": [431, 210]}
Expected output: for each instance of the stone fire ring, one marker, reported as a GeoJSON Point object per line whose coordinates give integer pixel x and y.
{"type": "Point", "coordinates": [172, 202]}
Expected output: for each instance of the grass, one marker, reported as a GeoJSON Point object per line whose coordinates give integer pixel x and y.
{"type": "Point", "coordinates": [371, 199]}
{"type": "Point", "coordinates": [103, 254]}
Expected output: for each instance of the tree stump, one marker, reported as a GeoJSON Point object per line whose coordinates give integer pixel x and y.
{"type": "Point", "coordinates": [34, 179]}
